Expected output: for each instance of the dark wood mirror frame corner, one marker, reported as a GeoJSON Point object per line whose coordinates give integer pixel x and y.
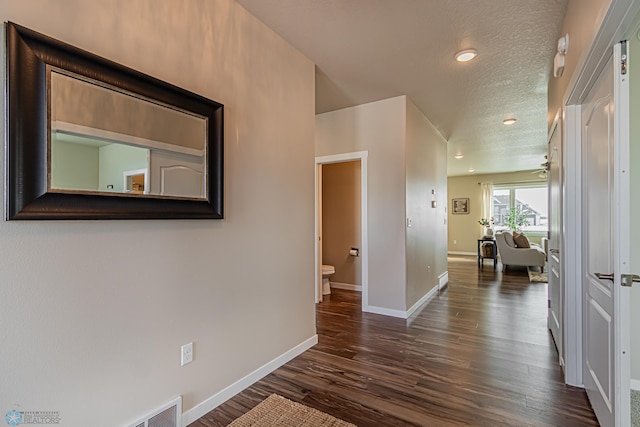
{"type": "Point", "coordinates": [27, 196]}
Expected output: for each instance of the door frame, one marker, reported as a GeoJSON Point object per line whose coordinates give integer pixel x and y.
{"type": "Point", "coordinates": [557, 129]}
{"type": "Point", "coordinates": [364, 249]}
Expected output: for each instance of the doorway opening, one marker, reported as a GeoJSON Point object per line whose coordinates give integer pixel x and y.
{"type": "Point", "coordinates": [135, 181]}
{"type": "Point", "coordinates": [351, 267]}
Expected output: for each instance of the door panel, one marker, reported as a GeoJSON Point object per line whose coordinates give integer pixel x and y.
{"type": "Point", "coordinates": [597, 140]}
{"type": "Point", "coordinates": [179, 180]}
{"type": "Point", "coordinates": [605, 213]}
{"type": "Point", "coordinates": [177, 174]}
{"type": "Point", "coordinates": [556, 296]}
{"type": "Point", "coordinates": [599, 363]}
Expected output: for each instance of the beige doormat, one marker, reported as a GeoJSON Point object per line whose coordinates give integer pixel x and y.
{"type": "Point", "coordinates": [275, 410]}
{"type": "Point", "coordinates": [536, 276]}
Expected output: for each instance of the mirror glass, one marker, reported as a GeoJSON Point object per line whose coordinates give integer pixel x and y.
{"type": "Point", "coordinates": [106, 140]}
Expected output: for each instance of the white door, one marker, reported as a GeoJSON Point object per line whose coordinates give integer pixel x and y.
{"type": "Point", "coordinates": [556, 296]}
{"type": "Point", "coordinates": [605, 212]}
{"type": "Point", "coordinates": [174, 174]}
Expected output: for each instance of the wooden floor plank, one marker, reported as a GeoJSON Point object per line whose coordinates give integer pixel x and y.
{"type": "Point", "coordinates": [479, 354]}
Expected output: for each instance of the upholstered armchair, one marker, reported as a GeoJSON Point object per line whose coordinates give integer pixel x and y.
{"type": "Point", "coordinates": [510, 254]}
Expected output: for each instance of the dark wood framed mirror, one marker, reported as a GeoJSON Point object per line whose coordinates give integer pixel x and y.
{"type": "Point", "coordinates": [91, 139]}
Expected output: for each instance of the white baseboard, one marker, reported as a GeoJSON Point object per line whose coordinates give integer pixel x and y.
{"type": "Point", "coordinates": [462, 253]}
{"type": "Point", "coordinates": [385, 311]}
{"type": "Point", "coordinates": [443, 280]}
{"type": "Point", "coordinates": [404, 314]}
{"type": "Point", "coordinates": [426, 298]}
{"type": "Point", "coordinates": [222, 396]}
{"type": "Point", "coordinates": [635, 385]}
{"type": "Point", "coordinates": [347, 286]}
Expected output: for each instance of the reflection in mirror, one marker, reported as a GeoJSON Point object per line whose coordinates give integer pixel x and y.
{"type": "Point", "coordinates": [106, 140]}
{"type": "Point", "coordinates": [90, 164]}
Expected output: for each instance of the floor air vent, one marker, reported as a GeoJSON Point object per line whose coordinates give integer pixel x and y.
{"type": "Point", "coordinates": [168, 415]}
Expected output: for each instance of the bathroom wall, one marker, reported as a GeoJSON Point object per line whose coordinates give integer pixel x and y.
{"type": "Point", "coordinates": [426, 170]}
{"type": "Point", "coordinates": [464, 229]}
{"type": "Point", "coordinates": [94, 312]}
{"type": "Point", "coordinates": [379, 128]}
{"type": "Point", "coordinates": [342, 220]}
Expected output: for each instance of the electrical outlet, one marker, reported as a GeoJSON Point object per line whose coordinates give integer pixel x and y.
{"type": "Point", "coordinates": [455, 242]}
{"type": "Point", "coordinates": [186, 354]}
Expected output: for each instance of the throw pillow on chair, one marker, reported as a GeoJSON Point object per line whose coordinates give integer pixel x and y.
{"type": "Point", "coordinates": [521, 240]}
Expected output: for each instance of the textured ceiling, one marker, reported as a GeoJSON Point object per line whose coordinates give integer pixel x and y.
{"type": "Point", "coordinates": [367, 50]}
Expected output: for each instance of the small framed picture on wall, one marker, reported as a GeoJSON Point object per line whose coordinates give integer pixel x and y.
{"type": "Point", "coordinates": [460, 206]}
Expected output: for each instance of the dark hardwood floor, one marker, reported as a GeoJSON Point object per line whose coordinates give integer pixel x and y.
{"type": "Point", "coordinates": [478, 354]}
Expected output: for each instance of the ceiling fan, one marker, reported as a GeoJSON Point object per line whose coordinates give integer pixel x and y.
{"type": "Point", "coordinates": [543, 172]}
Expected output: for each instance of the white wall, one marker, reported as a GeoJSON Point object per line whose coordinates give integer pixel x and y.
{"type": "Point", "coordinates": [379, 128]}
{"type": "Point", "coordinates": [426, 170]}
{"type": "Point", "coordinates": [94, 312]}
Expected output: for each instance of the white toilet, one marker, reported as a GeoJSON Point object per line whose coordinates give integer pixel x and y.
{"type": "Point", "coordinates": [327, 270]}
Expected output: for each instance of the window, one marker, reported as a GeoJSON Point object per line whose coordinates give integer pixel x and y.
{"type": "Point", "coordinates": [532, 200]}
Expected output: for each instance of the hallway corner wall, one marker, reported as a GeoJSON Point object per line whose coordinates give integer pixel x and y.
{"type": "Point", "coordinates": [379, 128]}
{"type": "Point", "coordinates": [426, 239]}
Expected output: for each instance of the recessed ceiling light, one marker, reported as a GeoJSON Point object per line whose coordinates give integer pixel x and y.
{"type": "Point", "coordinates": [472, 170]}
{"type": "Point", "coordinates": [459, 156]}
{"type": "Point", "coordinates": [466, 55]}
{"type": "Point", "coordinates": [509, 121]}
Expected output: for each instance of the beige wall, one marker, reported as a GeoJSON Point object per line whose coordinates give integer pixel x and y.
{"type": "Point", "coordinates": [464, 229]}
{"type": "Point", "coordinates": [341, 220]}
{"type": "Point", "coordinates": [94, 313]}
{"type": "Point", "coordinates": [634, 84]}
{"type": "Point", "coordinates": [582, 22]}
{"type": "Point", "coordinates": [426, 170]}
{"type": "Point", "coordinates": [78, 102]}
{"type": "Point", "coordinates": [379, 128]}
